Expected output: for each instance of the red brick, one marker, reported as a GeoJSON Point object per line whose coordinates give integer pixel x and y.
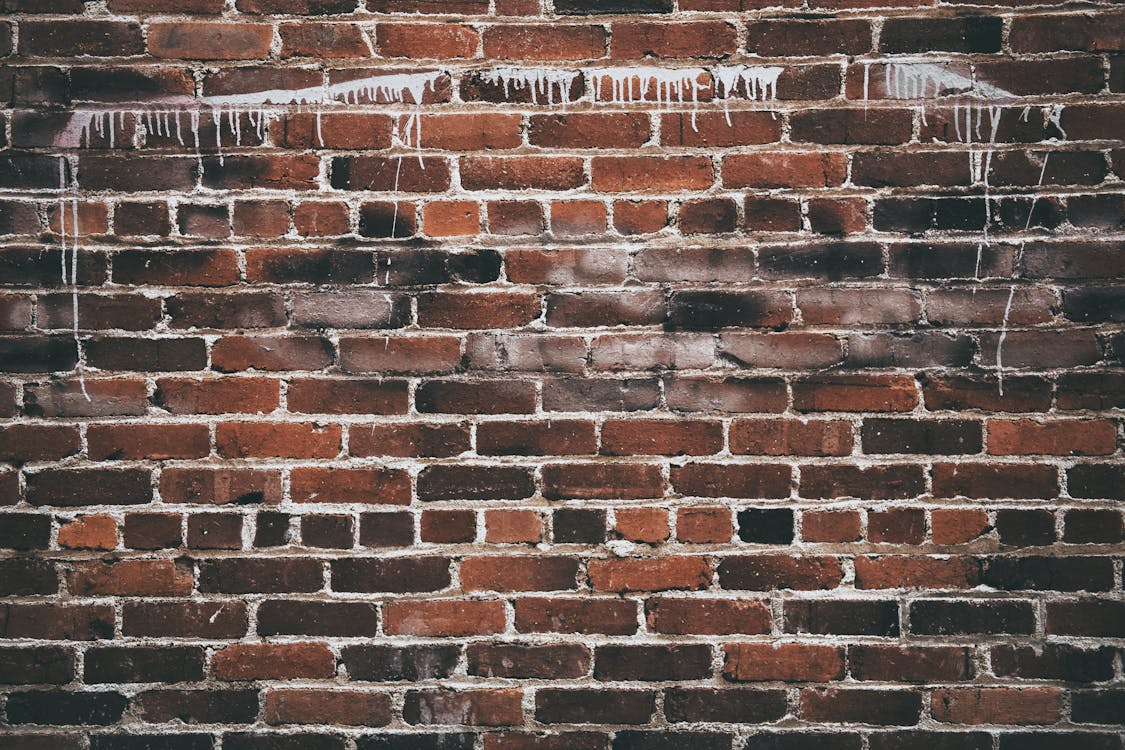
{"type": "Point", "coordinates": [237, 353]}
{"type": "Point", "coordinates": [684, 616]}
{"type": "Point", "coordinates": [261, 218]}
{"type": "Point", "coordinates": [465, 132]}
{"type": "Point", "coordinates": [515, 218]}
{"type": "Point", "coordinates": [218, 395]}
{"type": "Point", "coordinates": [831, 526]}
{"type": "Point", "coordinates": [384, 354]}
{"type": "Point", "coordinates": [708, 39]}
{"type": "Point", "coordinates": [768, 572]}
{"type": "Point", "coordinates": [557, 437]}
{"type": "Point", "coordinates": [495, 707]}
{"type": "Point", "coordinates": [220, 486]}
{"type": "Point", "coordinates": [295, 7]}
{"type": "Point", "coordinates": [544, 42]}
{"type": "Point", "coordinates": [277, 439]}
{"type": "Point", "coordinates": [732, 480]}
{"type": "Point", "coordinates": [623, 481]}
{"type": "Point", "coordinates": [152, 441]}
{"type": "Point", "coordinates": [773, 214]}
{"type": "Point", "coordinates": [655, 574]}
{"type": "Point", "coordinates": [281, 661]}
{"type": "Point", "coordinates": [703, 525]}
{"type": "Point", "coordinates": [518, 574]}
{"type": "Point", "coordinates": [310, 706]}
{"type": "Point", "coordinates": [58, 623]}
{"type": "Point", "coordinates": [776, 437]}
{"type": "Point", "coordinates": [477, 310]}
{"type": "Point", "coordinates": [97, 38]}
{"type": "Point", "coordinates": [448, 526]}
{"type": "Point", "coordinates": [997, 705]}
{"type": "Point", "coordinates": [353, 396]}
{"type": "Point", "coordinates": [1000, 480]}
{"type": "Point", "coordinates": [838, 217]}
{"type": "Point", "coordinates": [911, 664]}
{"type": "Point", "coordinates": [323, 40]}
{"type": "Point", "coordinates": [451, 219]}
{"type": "Point", "coordinates": [901, 571]}
{"type": "Point", "coordinates": [513, 527]}
{"type": "Point", "coordinates": [882, 707]}
{"type": "Point", "coordinates": [576, 218]}
{"type": "Point", "coordinates": [664, 437]}
{"type": "Point", "coordinates": [414, 439]}
{"type": "Point", "coordinates": [708, 216]}
{"type": "Point", "coordinates": [784, 170]}
{"type": "Point", "coordinates": [375, 486]}
{"type": "Point", "coordinates": [209, 41]}
{"type": "Point", "coordinates": [579, 615]}
{"type": "Point", "coordinates": [589, 130]}
{"type": "Point", "coordinates": [640, 217]}
{"type": "Point", "coordinates": [957, 526]}
{"type": "Point", "coordinates": [522, 173]}
{"type": "Point", "coordinates": [425, 40]}
{"type": "Point", "coordinates": [855, 393]}
{"type": "Point", "coordinates": [93, 218]}
{"type": "Point", "coordinates": [896, 526]}
{"type": "Point", "coordinates": [1048, 33]}
{"type": "Point", "coordinates": [480, 397]}
{"type": "Point", "coordinates": [447, 617]}
{"type": "Point", "coordinates": [131, 578]}
{"type": "Point", "coordinates": [384, 173]}
{"type": "Point", "coordinates": [30, 442]}
{"type": "Point", "coordinates": [89, 532]}
{"type": "Point", "coordinates": [1060, 437]}
{"type": "Point", "coordinates": [789, 662]}
{"type": "Point", "coordinates": [651, 173]}
{"type": "Point", "coordinates": [321, 218]}
{"type": "Point", "coordinates": [789, 350]}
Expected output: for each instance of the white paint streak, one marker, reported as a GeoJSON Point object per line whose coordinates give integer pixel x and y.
{"type": "Point", "coordinates": [1000, 341]}
{"type": "Point", "coordinates": [756, 83]}
{"type": "Point", "coordinates": [628, 85]}
{"type": "Point", "coordinates": [72, 205]}
{"type": "Point", "coordinates": [541, 83]}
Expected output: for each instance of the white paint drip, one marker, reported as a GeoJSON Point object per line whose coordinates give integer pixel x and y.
{"type": "Point", "coordinates": [756, 83]}
{"type": "Point", "coordinates": [866, 85]}
{"type": "Point", "coordinates": [980, 162]}
{"type": "Point", "coordinates": [394, 215]}
{"type": "Point", "coordinates": [628, 85]}
{"type": "Point", "coordinates": [391, 88]}
{"type": "Point", "coordinates": [1054, 117]}
{"type": "Point", "coordinates": [166, 118]}
{"type": "Point", "coordinates": [1000, 341]}
{"type": "Point", "coordinates": [73, 278]}
{"type": "Point", "coordinates": [539, 82]}
{"type": "Point", "coordinates": [1053, 113]}
{"type": "Point", "coordinates": [927, 81]}
{"type": "Point", "coordinates": [916, 80]}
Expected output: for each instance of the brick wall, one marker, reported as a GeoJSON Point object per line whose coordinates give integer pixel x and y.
{"type": "Point", "coordinates": [497, 374]}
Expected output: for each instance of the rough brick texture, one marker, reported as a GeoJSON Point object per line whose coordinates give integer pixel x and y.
{"type": "Point", "coordinates": [543, 374]}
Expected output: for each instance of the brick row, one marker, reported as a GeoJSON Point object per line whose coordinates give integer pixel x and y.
{"type": "Point", "coordinates": [1011, 528]}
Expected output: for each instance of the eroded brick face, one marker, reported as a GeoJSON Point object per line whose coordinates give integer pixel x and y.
{"type": "Point", "coordinates": [544, 374]}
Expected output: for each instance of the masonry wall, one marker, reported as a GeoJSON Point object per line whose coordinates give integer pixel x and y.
{"type": "Point", "coordinates": [508, 375]}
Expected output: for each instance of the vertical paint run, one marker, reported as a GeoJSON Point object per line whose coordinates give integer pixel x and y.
{"type": "Point", "coordinates": [71, 186]}
{"type": "Point", "coordinates": [544, 84]}
{"type": "Point", "coordinates": [629, 85]}
{"type": "Point", "coordinates": [756, 83]}
{"type": "Point", "coordinates": [976, 121]}
{"type": "Point", "coordinates": [1053, 116]}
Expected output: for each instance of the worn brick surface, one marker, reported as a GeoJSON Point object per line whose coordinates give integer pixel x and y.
{"type": "Point", "coordinates": [544, 374]}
